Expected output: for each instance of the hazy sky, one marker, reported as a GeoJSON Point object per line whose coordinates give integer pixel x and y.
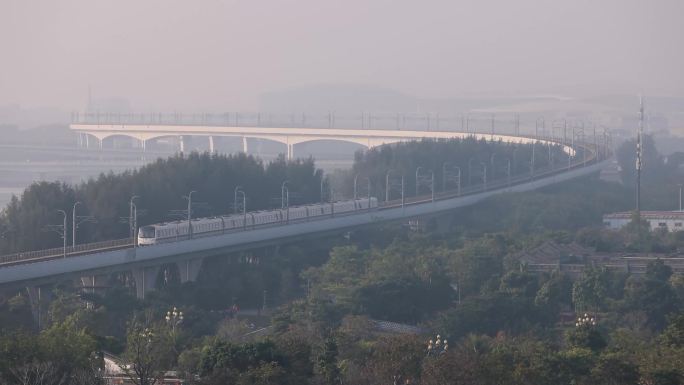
{"type": "Point", "coordinates": [218, 55]}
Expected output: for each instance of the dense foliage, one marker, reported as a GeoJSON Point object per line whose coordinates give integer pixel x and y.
{"type": "Point", "coordinates": [160, 187]}
{"type": "Point", "coordinates": [360, 308]}
{"type": "Point", "coordinates": [445, 157]}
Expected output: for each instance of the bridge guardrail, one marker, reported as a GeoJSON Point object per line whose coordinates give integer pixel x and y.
{"type": "Point", "coordinates": [59, 251]}
{"type": "Point", "coordinates": [467, 190]}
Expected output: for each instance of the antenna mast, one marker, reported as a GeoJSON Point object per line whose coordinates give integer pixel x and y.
{"type": "Point", "coordinates": [639, 157]}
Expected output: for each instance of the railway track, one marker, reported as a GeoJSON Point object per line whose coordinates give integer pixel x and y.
{"type": "Point", "coordinates": [494, 185]}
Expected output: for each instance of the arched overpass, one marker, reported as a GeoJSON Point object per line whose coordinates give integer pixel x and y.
{"type": "Point", "coordinates": [289, 136]}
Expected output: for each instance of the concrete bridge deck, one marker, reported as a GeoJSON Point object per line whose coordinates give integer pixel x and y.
{"type": "Point", "coordinates": [289, 136]}
{"type": "Point", "coordinates": [145, 261]}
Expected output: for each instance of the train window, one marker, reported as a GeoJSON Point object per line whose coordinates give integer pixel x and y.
{"type": "Point", "coordinates": [147, 232]}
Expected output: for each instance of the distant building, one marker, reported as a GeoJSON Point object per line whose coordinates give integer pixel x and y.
{"type": "Point", "coordinates": [664, 220]}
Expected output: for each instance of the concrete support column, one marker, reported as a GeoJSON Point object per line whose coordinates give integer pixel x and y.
{"type": "Point", "coordinates": [145, 279]}
{"type": "Point", "coordinates": [101, 140]}
{"type": "Point", "coordinates": [244, 144]}
{"type": "Point", "coordinates": [143, 144]}
{"type": "Point", "coordinates": [290, 151]}
{"type": "Point", "coordinates": [182, 144]}
{"type": "Point", "coordinates": [91, 283]}
{"type": "Point", "coordinates": [39, 297]}
{"type": "Point", "coordinates": [211, 144]}
{"type": "Point", "coordinates": [87, 138]}
{"type": "Point", "coordinates": [189, 269]}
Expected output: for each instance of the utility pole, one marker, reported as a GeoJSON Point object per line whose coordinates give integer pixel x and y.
{"type": "Point", "coordinates": [680, 196]}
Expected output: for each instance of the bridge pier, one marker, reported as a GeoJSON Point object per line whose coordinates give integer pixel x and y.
{"type": "Point", "coordinates": [181, 143]}
{"type": "Point", "coordinates": [38, 297]}
{"type": "Point", "coordinates": [244, 144]}
{"type": "Point", "coordinates": [211, 144]}
{"type": "Point", "coordinates": [145, 280]}
{"type": "Point", "coordinates": [189, 269]}
{"type": "Point", "coordinates": [91, 283]}
{"type": "Point", "coordinates": [290, 151]}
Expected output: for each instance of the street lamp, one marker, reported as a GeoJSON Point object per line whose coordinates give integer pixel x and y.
{"type": "Point", "coordinates": [285, 198]}
{"type": "Point", "coordinates": [73, 224]}
{"type": "Point", "coordinates": [132, 218]}
{"type": "Point", "coordinates": [284, 195]}
{"type": "Point", "coordinates": [387, 187]}
{"type": "Point", "coordinates": [189, 198]}
{"type": "Point", "coordinates": [174, 318]}
{"type": "Point", "coordinates": [484, 175]}
{"type": "Point", "coordinates": [238, 190]}
{"type": "Point", "coordinates": [585, 321]}
{"type": "Point", "coordinates": [417, 185]}
{"type": "Point", "coordinates": [445, 177]}
{"type": "Point", "coordinates": [437, 347]}
{"type": "Point", "coordinates": [470, 171]}
{"type": "Point", "coordinates": [369, 192]}
{"type": "Point", "coordinates": [432, 182]}
{"type": "Point", "coordinates": [322, 181]}
{"type": "Point", "coordinates": [680, 196]}
{"type": "Point", "coordinates": [64, 231]}
{"type": "Point", "coordinates": [508, 172]}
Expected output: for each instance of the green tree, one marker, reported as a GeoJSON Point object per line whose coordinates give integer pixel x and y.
{"type": "Point", "coordinates": [327, 362]}
{"type": "Point", "coordinates": [147, 355]}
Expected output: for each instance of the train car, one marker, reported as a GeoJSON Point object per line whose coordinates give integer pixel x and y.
{"type": "Point", "coordinates": [201, 227]}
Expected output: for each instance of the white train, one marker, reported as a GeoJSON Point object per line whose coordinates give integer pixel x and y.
{"type": "Point", "coordinates": [202, 227]}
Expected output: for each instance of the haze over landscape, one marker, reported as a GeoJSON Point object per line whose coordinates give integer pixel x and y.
{"type": "Point", "coordinates": [362, 192]}
{"type": "Point", "coordinates": [224, 55]}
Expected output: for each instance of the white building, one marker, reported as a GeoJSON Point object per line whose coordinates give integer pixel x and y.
{"type": "Point", "coordinates": [665, 220]}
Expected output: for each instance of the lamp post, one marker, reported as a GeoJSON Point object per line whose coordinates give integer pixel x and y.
{"type": "Point", "coordinates": [680, 196]}
{"type": "Point", "coordinates": [508, 172]}
{"type": "Point", "coordinates": [132, 218]}
{"type": "Point", "coordinates": [189, 198]}
{"type": "Point", "coordinates": [445, 177]}
{"type": "Point", "coordinates": [369, 186]}
{"type": "Point", "coordinates": [492, 136]}
{"type": "Point", "coordinates": [484, 175]}
{"type": "Point", "coordinates": [403, 201]}
{"type": "Point", "coordinates": [534, 144]}
{"type": "Point", "coordinates": [470, 171]}
{"type": "Point", "coordinates": [387, 186]}
{"type": "Point", "coordinates": [437, 347]}
{"type": "Point", "coordinates": [356, 177]}
{"type": "Point", "coordinates": [238, 190]}
{"type": "Point", "coordinates": [585, 321]}
{"type": "Point", "coordinates": [73, 224]}
{"type": "Point", "coordinates": [285, 199]}
{"type": "Point", "coordinates": [174, 318]}
{"type": "Point", "coordinates": [64, 231]}
{"type": "Point", "coordinates": [417, 181]}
